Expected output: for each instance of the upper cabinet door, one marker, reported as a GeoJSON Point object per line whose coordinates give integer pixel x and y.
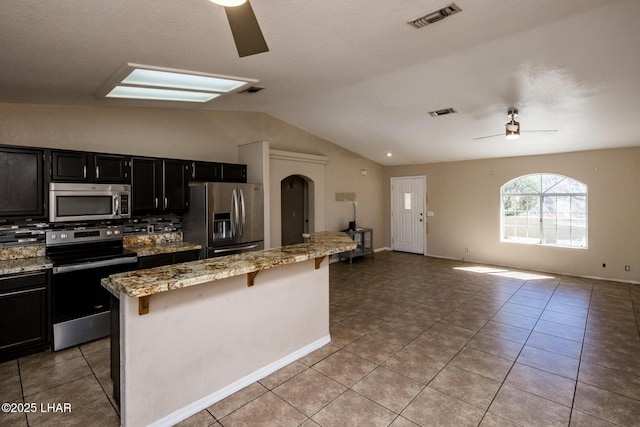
{"type": "Point", "coordinates": [206, 171]}
{"type": "Point", "coordinates": [21, 183]}
{"type": "Point", "coordinates": [70, 166]}
{"type": "Point", "coordinates": [78, 166]}
{"type": "Point", "coordinates": [234, 173]}
{"type": "Point", "coordinates": [175, 186]}
{"type": "Point", "coordinates": [112, 168]}
{"type": "Point", "coordinates": [146, 185]}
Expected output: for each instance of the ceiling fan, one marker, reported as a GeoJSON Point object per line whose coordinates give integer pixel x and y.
{"type": "Point", "coordinates": [512, 127]}
{"type": "Point", "coordinates": [244, 27]}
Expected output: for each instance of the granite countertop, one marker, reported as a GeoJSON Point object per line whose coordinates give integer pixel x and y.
{"type": "Point", "coordinates": [160, 243]}
{"type": "Point", "coordinates": [163, 248]}
{"type": "Point", "coordinates": [24, 265]}
{"type": "Point", "coordinates": [147, 282]}
{"type": "Point", "coordinates": [20, 259]}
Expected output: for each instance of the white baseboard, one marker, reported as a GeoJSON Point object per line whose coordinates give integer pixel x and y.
{"type": "Point", "coordinates": [205, 402]}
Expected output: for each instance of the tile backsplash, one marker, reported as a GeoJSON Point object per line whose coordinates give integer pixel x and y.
{"type": "Point", "coordinates": [32, 232]}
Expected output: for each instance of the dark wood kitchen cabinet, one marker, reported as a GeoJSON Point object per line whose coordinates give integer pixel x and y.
{"type": "Point", "coordinates": [218, 172]}
{"type": "Point", "coordinates": [175, 186]}
{"type": "Point", "coordinates": [78, 166]}
{"type": "Point", "coordinates": [206, 171]}
{"type": "Point", "coordinates": [159, 186]}
{"type": "Point", "coordinates": [24, 314]}
{"type": "Point", "coordinates": [232, 172]}
{"type": "Point", "coordinates": [21, 183]}
{"type": "Point", "coordinates": [111, 168]}
{"type": "Point", "coordinates": [70, 166]}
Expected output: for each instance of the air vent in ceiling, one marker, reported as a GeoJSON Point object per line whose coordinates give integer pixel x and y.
{"type": "Point", "coordinates": [436, 16]}
{"type": "Point", "coordinates": [442, 112]}
{"type": "Point", "coordinates": [252, 89]}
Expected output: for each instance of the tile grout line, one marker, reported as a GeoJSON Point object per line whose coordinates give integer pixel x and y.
{"type": "Point", "coordinates": [84, 356]}
{"type": "Point", "coordinates": [520, 352]}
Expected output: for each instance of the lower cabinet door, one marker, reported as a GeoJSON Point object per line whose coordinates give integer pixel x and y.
{"type": "Point", "coordinates": [24, 315]}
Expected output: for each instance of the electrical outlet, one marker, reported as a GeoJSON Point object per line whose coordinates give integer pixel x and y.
{"type": "Point", "coordinates": [466, 249]}
{"type": "Point", "coordinates": [604, 265]}
{"type": "Point", "coordinates": [627, 268]}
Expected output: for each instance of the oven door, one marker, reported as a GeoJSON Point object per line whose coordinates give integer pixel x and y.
{"type": "Point", "coordinates": [80, 303]}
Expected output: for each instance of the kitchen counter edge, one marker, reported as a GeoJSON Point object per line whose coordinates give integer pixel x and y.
{"type": "Point", "coordinates": [163, 248]}
{"type": "Point", "coordinates": [24, 265]}
{"type": "Point", "coordinates": [151, 281]}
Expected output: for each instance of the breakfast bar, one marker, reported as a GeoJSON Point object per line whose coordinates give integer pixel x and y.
{"type": "Point", "coordinates": [190, 334]}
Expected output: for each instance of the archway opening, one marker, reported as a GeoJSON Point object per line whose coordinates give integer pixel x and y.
{"type": "Point", "coordinates": [294, 205]}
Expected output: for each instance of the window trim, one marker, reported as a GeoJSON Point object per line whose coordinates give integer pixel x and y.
{"type": "Point", "coordinates": [542, 195]}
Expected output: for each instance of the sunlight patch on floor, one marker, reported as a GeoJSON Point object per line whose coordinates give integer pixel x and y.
{"type": "Point", "coordinates": [504, 273]}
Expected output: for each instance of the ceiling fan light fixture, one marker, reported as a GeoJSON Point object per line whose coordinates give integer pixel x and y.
{"type": "Point", "coordinates": [512, 130]}
{"type": "Point", "coordinates": [229, 3]}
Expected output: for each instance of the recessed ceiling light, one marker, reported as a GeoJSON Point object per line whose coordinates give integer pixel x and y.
{"type": "Point", "coordinates": [389, 154]}
{"type": "Point", "coordinates": [137, 81]}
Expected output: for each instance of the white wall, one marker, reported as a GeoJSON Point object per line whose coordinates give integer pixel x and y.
{"type": "Point", "coordinates": [199, 344]}
{"type": "Point", "coordinates": [256, 156]}
{"type": "Point", "coordinates": [465, 197]}
{"type": "Point", "coordinates": [285, 164]}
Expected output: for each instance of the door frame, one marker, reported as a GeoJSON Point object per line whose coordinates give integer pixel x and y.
{"type": "Point", "coordinates": [424, 208]}
{"type": "Point", "coordinates": [305, 203]}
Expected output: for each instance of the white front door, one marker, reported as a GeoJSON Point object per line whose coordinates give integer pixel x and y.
{"type": "Point", "coordinates": [408, 214]}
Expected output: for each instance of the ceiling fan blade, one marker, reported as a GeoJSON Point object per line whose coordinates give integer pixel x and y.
{"type": "Point", "coordinates": [540, 131]}
{"type": "Point", "coordinates": [489, 136]}
{"type": "Point", "coordinates": [246, 31]}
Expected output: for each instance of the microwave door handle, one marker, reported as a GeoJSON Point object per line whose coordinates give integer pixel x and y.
{"type": "Point", "coordinates": [116, 205]}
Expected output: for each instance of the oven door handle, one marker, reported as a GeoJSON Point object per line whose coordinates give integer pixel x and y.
{"type": "Point", "coordinates": [94, 264]}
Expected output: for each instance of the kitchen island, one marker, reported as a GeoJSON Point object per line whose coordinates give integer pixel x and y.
{"type": "Point", "coordinates": [191, 334]}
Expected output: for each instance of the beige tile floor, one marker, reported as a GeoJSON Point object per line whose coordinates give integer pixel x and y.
{"type": "Point", "coordinates": [416, 341]}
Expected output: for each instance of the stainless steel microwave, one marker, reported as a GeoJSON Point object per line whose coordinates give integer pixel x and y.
{"type": "Point", "coordinates": [87, 202]}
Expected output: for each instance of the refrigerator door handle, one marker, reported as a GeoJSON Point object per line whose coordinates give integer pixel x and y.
{"type": "Point", "coordinates": [234, 213]}
{"type": "Point", "coordinates": [241, 223]}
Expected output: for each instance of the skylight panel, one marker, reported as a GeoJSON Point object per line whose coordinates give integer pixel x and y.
{"type": "Point", "coordinates": [132, 92]}
{"type": "Point", "coordinates": [165, 79]}
{"type": "Point", "coordinates": [145, 82]}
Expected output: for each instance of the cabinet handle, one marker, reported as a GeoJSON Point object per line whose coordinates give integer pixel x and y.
{"type": "Point", "coordinates": [84, 171]}
{"type": "Point", "coordinates": [166, 202]}
{"type": "Point", "coordinates": [25, 291]}
{"type": "Point", "coordinates": [97, 172]}
{"type": "Point", "coordinates": [193, 170]}
{"type": "Point", "coordinates": [156, 203]}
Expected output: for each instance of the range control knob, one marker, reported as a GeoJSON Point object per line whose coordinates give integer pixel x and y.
{"type": "Point", "coordinates": [53, 236]}
{"type": "Point", "coordinates": [63, 236]}
{"type": "Point", "coordinates": [109, 232]}
{"type": "Point", "coordinates": [116, 232]}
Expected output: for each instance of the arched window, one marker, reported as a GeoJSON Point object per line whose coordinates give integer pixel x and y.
{"type": "Point", "coordinates": [544, 209]}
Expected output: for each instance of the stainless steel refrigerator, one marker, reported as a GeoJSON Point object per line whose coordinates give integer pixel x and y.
{"type": "Point", "coordinates": [225, 218]}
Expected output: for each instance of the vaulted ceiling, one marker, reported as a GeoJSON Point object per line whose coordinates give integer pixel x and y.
{"type": "Point", "coordinates": [354, 72]}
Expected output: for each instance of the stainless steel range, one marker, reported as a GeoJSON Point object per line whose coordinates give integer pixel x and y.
{"type": "Point", "coordinates": [81, 257]}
